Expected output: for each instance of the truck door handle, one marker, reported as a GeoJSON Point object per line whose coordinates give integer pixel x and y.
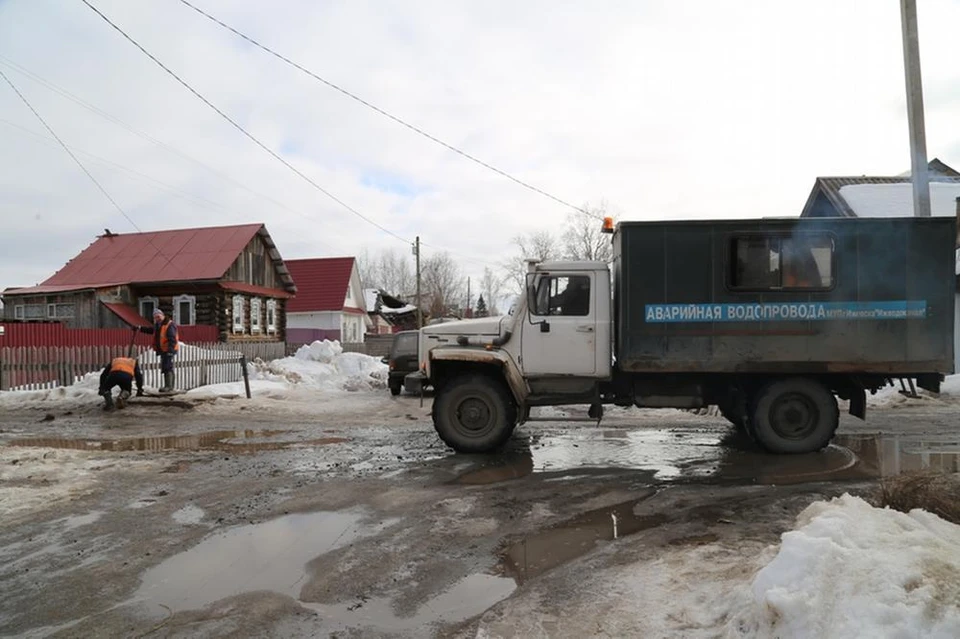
{"type": "Point", "coordinates": [585, 328]}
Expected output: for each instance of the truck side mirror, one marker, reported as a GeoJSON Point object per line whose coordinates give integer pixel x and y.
{"type": "Point", "coordinates": [531, 294]}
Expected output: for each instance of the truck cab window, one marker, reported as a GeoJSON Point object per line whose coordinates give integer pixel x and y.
{"type": "Point", "coordinates": [801, 261]}
{"type": "Point", "coordinates": [564, 295]}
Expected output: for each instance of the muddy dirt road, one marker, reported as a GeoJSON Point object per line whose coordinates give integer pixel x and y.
{"type": "Point", "coordinates": [206, 520]}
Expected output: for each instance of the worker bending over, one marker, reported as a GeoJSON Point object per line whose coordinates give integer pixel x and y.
{"type": "Point", "coordinates": [122, 372]}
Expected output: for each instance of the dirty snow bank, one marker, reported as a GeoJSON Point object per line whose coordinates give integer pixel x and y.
{"type": "Point", "coordinates": [852, 570]}
{"type": "Point", "coordinates": [890, 395]}
{"type": "Point", "coordinates": [320, 366]}
{"type": "Point", "coordinates": [82, 392]}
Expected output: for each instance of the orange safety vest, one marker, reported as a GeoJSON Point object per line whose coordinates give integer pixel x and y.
{"type": "Point", "coordinates": [164, 341]}
{"type": "Point", "coordinates": [123, 365]}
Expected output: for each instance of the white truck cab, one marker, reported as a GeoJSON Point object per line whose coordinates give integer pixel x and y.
{"type": "Point", "coordinates": [552, 350]}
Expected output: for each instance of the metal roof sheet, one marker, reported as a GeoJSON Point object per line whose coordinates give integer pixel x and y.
{"type": "Point", "coordinates": [127, 313]}
{"type": "Point", "coordinates": [169, 256]}
{"type": "Point", "coordinates": [322, 283]}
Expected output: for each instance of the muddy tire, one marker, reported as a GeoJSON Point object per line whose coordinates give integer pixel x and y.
{"type": "Point", "coordinates": [794, 416]}
{"type": "Point", "coordinates": [395, 388]}
{"type": "Point", "coordinates": [474, 414]}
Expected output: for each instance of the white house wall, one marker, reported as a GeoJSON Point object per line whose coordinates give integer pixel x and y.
{"type": "Point", "coordinates": [353, 328]}
{"type": "Point", "coordinates": [325, 320]}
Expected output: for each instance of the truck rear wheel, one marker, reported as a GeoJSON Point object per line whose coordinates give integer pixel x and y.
{"type": "Point", "coordinates": [474, 414]}
{"type": "Point", "coordinates": [794, 416]}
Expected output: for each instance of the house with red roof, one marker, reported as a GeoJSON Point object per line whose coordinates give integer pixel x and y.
{"type": "Point", "coordinates": [231, 279]}
{"type": "Point", "coordinates": [330, 301]}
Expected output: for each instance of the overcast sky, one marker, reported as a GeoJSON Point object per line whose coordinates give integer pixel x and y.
{"type": "Point", "coordinates": [665, 109]}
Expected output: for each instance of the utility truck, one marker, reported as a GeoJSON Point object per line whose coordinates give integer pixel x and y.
{"type": "Point", "coordinates": [771, 320]}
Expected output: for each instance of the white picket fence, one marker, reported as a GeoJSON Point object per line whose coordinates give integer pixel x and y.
{"type": "Point", "coordinates": [43, 367]}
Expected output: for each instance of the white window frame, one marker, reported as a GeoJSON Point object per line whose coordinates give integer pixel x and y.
{"type": "Point", "coordinates": [237, 314]}
{"type": "Point", "coordinates": [51, 311]}
{"type": "Point", "coordinates": [256, 308]}
{"type": "Point", "coordinates": [19, 312]}
{"type": "Point", "coordinates": [177, 301]}
{"type": "Point", "coordinates": [156, 305]}
{"type": "Point", "coordinates": [271, 316]}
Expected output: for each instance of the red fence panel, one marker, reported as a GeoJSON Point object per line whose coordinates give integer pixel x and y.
{"type": "Point", "coordinates": [56, 334]}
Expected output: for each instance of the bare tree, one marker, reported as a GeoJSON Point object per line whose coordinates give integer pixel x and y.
{"type": "Point", "coordinates": [367, 268]}
{"type": "Point", "coordinates": [389, 270]}
{"type": "Point", "coordinates": [491, 288]}
{"type": "Point", "coordinates": [443, 284]}
{"type": "Point", "coordinates": [538, 245]}
{"type": "Point", "coordinates": [582, 238]}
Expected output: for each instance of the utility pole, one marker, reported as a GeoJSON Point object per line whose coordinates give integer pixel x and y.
{"type": "Point", "coordinates": [416, 251]}
{"type": "Point", "coordinates": [918, 143]}
{"type": "Point", "coordinates": [469, 312]}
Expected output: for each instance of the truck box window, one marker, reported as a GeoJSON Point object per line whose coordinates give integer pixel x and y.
{"type": "Point", "coordinates": [564, 295]}
{"type": "Point", "coordinates": [769, 262]}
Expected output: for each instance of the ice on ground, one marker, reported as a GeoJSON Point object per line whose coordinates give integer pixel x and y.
{"type": "Point", "coordinates": [36, 478]}
{"type": "Point", "coordinates": [852, 570]}
{"type": "Point", "coordinates": [189, 514]}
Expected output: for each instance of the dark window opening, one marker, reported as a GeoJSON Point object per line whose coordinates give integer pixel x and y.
{"type": "Point", "coordinates": [564, 295]}
{"type": "Point", "coordinates": [769, 262]}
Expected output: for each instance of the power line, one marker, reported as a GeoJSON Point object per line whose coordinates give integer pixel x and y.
{"type": "Point", "coordinates": [377, 109]}
{"type": "Point", "coordinates": [84, 169]}
{"type": "Point", "coordinates": [196, 199]}
{"type": "Point", "coordinates": [94, 109]}
{"type": "Point", "coordinates": [237, 126]}
{"type": "Point", "coordinates": [68, 151]}
{"type": "Point", "coordinates": [111, 118]}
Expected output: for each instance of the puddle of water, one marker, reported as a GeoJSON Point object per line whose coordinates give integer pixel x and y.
{"type": "Point", "coordinates": [698, 456]}
{"type": "Point", "coordinates": [265, 556]}
{"type": "Point", "coordinates": [467, 598]}
{"type": "Point", "coordinates": [236, 441]}
{"type": "Point", "coordinates": [538, 553]}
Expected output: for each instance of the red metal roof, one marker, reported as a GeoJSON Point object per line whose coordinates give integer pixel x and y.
{"type": "Point", "coordinates": [127, 313]}
{"type": "Point", "coordinates": [158, 256]}
{"type": "Point", "coordinates": [243, 287]}
{"type": "Point", "coordinates": [322, 283]}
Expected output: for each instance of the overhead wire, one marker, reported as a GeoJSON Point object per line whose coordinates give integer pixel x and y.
{"type": "Point", "coordinates": [195, 199]}
{"type": "Point", "coordinates": [84, 168]}
{"type": "Point", "coordinates": [68, 151]}
{"type": "Point", "coordinates": [387, 114]}
{"type": "Point", "coordinates": [242, 130]}
{"type": "Point", "coordinates": [117, 121]}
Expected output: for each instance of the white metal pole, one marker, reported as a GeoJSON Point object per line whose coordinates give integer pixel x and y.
{"type": "Point", "coordinates": [918, 144]}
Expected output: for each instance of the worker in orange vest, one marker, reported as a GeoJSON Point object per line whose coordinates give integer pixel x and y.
{"type": "Point", "coordinates": [166, 344]}
{"type": "Point", "coordinates": [122, 372]}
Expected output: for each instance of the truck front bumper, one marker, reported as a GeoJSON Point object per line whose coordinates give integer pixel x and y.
{"type": "Point", "coordinates": [414, 383]}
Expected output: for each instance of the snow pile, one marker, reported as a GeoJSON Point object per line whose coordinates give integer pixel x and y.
{"type": "Point", "coordinates": [324, 366]}
{"type": "Point", "coordinates": [80, 393]}
{"type": "Point", "coordinates": [852, 570]}
{"type": "Point", "coordinates": [320, 366]}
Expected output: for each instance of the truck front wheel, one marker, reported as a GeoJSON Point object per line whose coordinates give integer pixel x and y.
{"type": "Point", "coordinates": [474, 414]}
{"type": "Point", "coordinates": [794, 416]}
